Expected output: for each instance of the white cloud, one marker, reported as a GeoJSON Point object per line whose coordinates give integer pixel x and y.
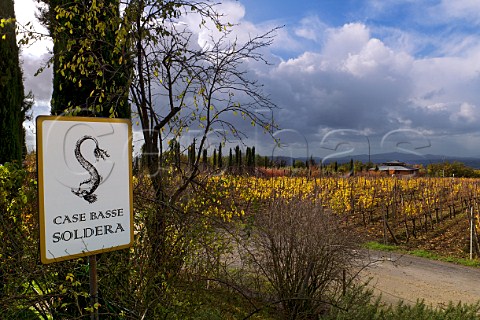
{"type": "Point", "coordinates": [344, 41]}
{"type": "Point", "coordinates": [25, 11]}
{"type": "Point", "coordinates": [311, 28]}
{"type": "Point", "coordinates": [466, 113]}
{"type": "Point", "coordinates": [351, 49]}
{"type": "Point", "coordinates": [233, 13]}
{"type": "Point", "coordinates": [374, 57]}
{"type": "Point", "coordinates": [40, 85]}
{"type": "Point", "coordinates": [461, 9]}
{"type": "Point", "coordinates": [242, 30]}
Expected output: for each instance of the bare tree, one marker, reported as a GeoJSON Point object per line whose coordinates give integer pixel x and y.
{"type": "Point", "coordinates": [195, 86]}
{"type": "Point", "coordinates": [304, 254]}
{"type": "Point", "coordinates": [178, 85]}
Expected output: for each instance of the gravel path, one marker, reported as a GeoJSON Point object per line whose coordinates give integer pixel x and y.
{"type": "Point", "coordinates": [403, 277]}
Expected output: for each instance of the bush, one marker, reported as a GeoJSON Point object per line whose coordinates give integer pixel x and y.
{"type": "Point", "coordinates": [306, 257]}
{"type": "Point", "coordinates": [173, 247]}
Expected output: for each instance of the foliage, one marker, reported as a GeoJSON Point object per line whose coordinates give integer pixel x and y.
{"type": "Point", "coordinates": [91, 67]}
{"type": "Point", "coordinates": [354, 166]}
{"type": "Point", "coordinates": [16, 222]}
{"type": "Point", "coordinates": [130, 287]}
{"type": "Point", "coordinates": [30, 289]}
{"type": "Point", "coordinates": [299, 164]}
{"type": "Point", "coordinates": [360, 304]}
{"type": "Point", "coordinates": [451, 169]}
{"type": "Point", "coordinates": [197, 275]}
{"type": "Point", "coordinates": [388, 207]}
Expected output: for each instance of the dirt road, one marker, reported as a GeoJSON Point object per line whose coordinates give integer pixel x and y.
{"type": "Point", "coordinates": [411, 278]}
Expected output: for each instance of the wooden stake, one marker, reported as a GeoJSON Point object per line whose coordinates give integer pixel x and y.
{"type": "Point", "coordinates": [92, 262]}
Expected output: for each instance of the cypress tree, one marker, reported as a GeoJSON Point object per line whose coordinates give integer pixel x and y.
{"type": "Point", "coordinates": [177, 154]}
{"type": "Point", "coordinates": [99, 88]}
{"type": "Point", "coordinates": [240, 160]}
{"type": "Point", "coordinates": [311, 162]}
{"type": "Point", "coordinates": [173, 151]}
{"type": "Point", "coordinates": [220, 160]}
{"type": "Point", "coordinates": [237, 156]}
{"type": "Point", "coordinates": [12, 96]}
{"type": "Point", "coordinates": [248, 157]}
{"type": "Point", "coordinates": [205, 157]}
{"type": "Point", "coordinates": [192, 154]}
{"type": "Point", "coordinates": [253, 156]}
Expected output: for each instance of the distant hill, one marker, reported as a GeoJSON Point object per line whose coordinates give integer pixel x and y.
{"type": "Point", "coordinates": [416, 159]}
{"type": "Point", "coordinates": [391, 156]}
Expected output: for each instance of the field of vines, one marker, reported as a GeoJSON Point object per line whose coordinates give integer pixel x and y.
{"type": "Point", "coordinates": [197, 247]}
{"type": "Point", "coordinates": [399, 209]}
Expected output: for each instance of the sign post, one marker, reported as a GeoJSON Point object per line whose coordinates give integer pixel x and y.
{"type": "Point", "coordinates": [92, 267]}
{"type": "Point", "coordinates": [85, 187]}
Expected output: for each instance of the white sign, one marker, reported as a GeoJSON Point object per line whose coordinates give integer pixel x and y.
{"type": "Point", "coordinates": [85, 186]}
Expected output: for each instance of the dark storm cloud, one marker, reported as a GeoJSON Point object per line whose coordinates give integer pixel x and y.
{"type": "Point", "coordinates": [365, 85]}
{"type": "Point", "coordinates": [41, 84]}
{"type": "Point", "coordinates": [366, 79]}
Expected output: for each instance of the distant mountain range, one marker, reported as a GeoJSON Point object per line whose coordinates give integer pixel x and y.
{"type": "Point", "coordinates": [391, 156]}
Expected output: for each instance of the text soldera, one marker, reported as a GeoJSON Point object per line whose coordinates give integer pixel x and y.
{"type": "Point", "coordinates": [87, 232]}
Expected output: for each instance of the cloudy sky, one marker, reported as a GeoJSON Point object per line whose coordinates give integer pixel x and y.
{"type": "Point", "coordinates": [347, 75]}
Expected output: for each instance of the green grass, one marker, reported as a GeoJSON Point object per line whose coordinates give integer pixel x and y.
{"type": "Point", "coordinates": [196, 302]}
{"type": "Point", "coordinates": [360, 304]}
{"type": "Point", "coordinates": [434, 256]}
{"type": "Point", "coordinates": [373, 245]}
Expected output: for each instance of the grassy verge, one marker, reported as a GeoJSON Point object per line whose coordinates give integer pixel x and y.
{"type": "Point", "coordinates": [361, 304]}
{"type": "Point", "coordinates": [373, 245]}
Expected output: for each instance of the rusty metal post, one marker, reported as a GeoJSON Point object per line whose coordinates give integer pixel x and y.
{"type": "Point", "coordinates": [92, 262]}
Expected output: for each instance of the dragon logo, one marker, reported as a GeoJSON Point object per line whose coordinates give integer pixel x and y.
{"type": "Point", "coordinates": [87, 188]}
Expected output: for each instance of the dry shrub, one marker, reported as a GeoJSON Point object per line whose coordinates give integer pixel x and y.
{"type": "Point", "coordinates": [305, 255]}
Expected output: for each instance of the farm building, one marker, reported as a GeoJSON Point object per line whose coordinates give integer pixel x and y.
{"type": "Point", "coordinates": [397, 168]}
